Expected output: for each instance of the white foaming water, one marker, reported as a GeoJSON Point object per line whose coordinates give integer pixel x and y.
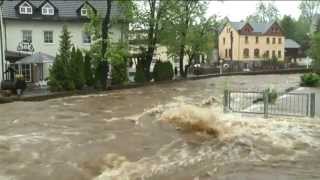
{"type": "Point", "coordinates": [239, 138]}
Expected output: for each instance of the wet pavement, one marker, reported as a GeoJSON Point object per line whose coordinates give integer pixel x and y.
{"type": "Point", "coordinates": [128, 134]}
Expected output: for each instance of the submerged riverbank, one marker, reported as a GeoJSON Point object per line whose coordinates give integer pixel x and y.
{"type": "Point", "coordinates": [157, 132]}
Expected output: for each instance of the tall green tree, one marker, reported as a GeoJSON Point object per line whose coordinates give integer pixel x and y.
{"type": "Point", "coordinates": [309, 8]}
{"type": "Point", "coordinates": [265, 12]}
{"type": "Point", "coordinates": [88, 70]}
{"type": "Point", "coordinates": [59, 77]}
{"type": "Point", "coordinates": [149, 18]}
{"type": "Point", "coordinates": [314, 51]}
{"type": "Point", "coordinates": [76, 68]}
{"type": "Point", "coordinates": [288, 26]}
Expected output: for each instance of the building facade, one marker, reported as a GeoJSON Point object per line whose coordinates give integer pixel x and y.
{"type": "Point", "coordinates": [31, 27]}
{"type": "Point", "coordinates": [243, 41]}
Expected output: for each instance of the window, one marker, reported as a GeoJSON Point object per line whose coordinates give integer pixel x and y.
{"type": "Point", "coordinates": [266, 54]}
{"type": "Point", "coordinates": [226, 53]}
{"type": "Point", "coordinates": [257, 40]}
{"type": "Point", "coordinates": [230, 53]}
{"type": "Point", "coordinates": [273, 40]}
{"type": "Point", "coordinates": [279, 54]}
{"type": "Point", "coordinates": [246, 40]}
{"type": "Point", "coordinates": [273, 53]}
{"type": "Point", "coordinates": [26, 72]}
{"type": "Point", "coordinates": [48, 36]}
{"type": "Point", "coordinates": [26, 36]}
{"type": "Point", "coordinates": [224, 40]}
{"type": "Point", "coordinates": [25, 8]}
{"type": "Point", "coordinates": [246, 53]}
{"type": "Point", "coordinates": [256, 53]}
{"type": "Point", "coordinates": [280, 41]}
{"type": "Point", "coordinates": [84, 11]}
{"type": "Point", "coordinates": [47, 10]}
{"type": "Point", "coordinates": [86, 38]}
{"type": "Point", "coordinates": [268, 40]}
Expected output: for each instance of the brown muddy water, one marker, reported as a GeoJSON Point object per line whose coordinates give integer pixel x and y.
{"type": "Point", "coordinates": [157, 132]}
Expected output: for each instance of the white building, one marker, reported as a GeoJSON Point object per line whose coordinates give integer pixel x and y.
{"type": "Point", "coordinates": [33, 27]}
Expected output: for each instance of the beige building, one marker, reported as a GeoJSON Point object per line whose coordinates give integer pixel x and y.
{"type": "Point", "coordinates": [243, 41]}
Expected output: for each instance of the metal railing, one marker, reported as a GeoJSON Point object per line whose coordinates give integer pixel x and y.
{"type": "Point", "coordinates": [266, 103]}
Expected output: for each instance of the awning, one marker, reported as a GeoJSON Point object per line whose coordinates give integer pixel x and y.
{"type": "Point", "coordinates": [37, 58]}
{"type": "Point", "coordinates": [13, 56]}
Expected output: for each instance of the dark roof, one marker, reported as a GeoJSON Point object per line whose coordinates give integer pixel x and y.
{"type": "Point", "coordinates": [291, 44]}
{"type": "Point", "coordinates": [36, 58]}
{"type": "Point", "coordinates": [67, 9]}
{"type": "Point", "coordinates": [257, 27]}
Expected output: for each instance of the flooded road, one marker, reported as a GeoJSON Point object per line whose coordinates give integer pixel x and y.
{"type": "Point", "coordinates": [168, 131]}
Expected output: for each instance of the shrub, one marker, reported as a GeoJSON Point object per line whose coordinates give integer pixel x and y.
{"type": "Point", "coordinates": [139, 76]}
{"type": "Point", "coordinates": [163, 71]}
{"type": "Point", "coordinates": [76, 68]}
{"type": "Point", "coordinates": [272, 95]}
{"type": "Point", "coordinates": [88, 73]}
{"type": "Point", "coordinates": [118, 59]}
{"type": "Point", "coordinates": [310, 80]}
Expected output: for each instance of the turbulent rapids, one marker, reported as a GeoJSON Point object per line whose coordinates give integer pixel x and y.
{"type": "Point", "coordinates": [163, 132]}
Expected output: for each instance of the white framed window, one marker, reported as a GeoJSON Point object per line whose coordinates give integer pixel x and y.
{"type": "Point", "coordinates": [86, 38]}
{"type": "Point", "coordinates": [26, 36]}
{"type": "Point", "coordinates": [48, 37]}
{"type": "Point", "coordinates": [25, 8]}
{"type": "Point", "coordinates": [47, 9]}
{"type": "Point", "coordinates": [84, 11]}
{"type": "Point", "coordinates": [26, 72]}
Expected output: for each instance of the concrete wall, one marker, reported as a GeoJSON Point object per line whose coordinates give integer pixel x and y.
{"type": "Point", "coordinates": [239, 45]}
{"type": "Point", "coordinates": [14, 34]}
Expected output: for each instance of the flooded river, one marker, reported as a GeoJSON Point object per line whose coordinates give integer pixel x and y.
{"type": "Point", "coordinates": [167, 131]}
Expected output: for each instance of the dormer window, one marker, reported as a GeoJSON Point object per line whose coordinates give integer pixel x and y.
{"type": "Point", "coordinates": [84, 11]}
{"type": "Point", "coordinates": [47, 9]}
{"type": "Point", "coordinates": [25, 8]}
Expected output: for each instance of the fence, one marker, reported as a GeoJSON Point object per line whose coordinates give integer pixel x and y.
{"type": "Point", "coordinates": [269, 103]}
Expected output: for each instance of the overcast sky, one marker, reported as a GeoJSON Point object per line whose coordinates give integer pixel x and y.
{"type": "Point", "coordinates": [239, 10]}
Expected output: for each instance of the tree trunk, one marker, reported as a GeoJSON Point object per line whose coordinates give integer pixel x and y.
{"type": "Point", "coordinates": [105, 29]}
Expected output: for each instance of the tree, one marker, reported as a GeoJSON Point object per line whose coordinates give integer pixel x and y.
{"type": "Point", "coordinates": [59, 77]}
{"type": "Point", "coordinates": [76, 68]}
{"type": "Point", "coordinates": [264, 13]}
{"type": "Point", "coordinates": [314, 51]}
{"type": "Point", "coordinates": [309, 8]}
{"type": "Point", "coordinates": [149, 18]}
{"type": "Point", "coordinates": [288, 27]}
{"type": "Point", "coordinates": [88, 71]}
{"type": "Point", "coordinates": [181, 19]}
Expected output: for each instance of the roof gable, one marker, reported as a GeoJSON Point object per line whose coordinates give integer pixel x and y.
{"type": "Point", "coordinates": [258, 28]}
{"type": "Point", "coordinates": [17, 7]}
{"type": "Point", "coordinates": [86, 3]}
{"type": "Point", "coordinates": [67, 9]}
{"type": "Point", "coordinates": [45, 2]}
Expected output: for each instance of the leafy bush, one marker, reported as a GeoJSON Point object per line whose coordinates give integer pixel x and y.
{"type": "Point", "coordinates": [88, 72]}
{"type": "Point", "coordinates": [272, 95]}
{"type": "Point", "coordinates": [139, 76]}
{"type": "Point", "coordinates": [310, 80]}
{"type": "Point", "coordinates": [163, 71]}
{"type": "Point", "coordinates": [118, 59]}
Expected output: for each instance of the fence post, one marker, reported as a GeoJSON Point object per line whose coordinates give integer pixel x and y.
{"type": "Point", "coordinates": [265, 103]}
{"type": "Point", "coordinates": [312, 104]}
{"type": "Point", "coordinates": [226, 101]}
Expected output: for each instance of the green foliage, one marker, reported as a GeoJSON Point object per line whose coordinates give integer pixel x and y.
{"type": "Point", "coordinates": [288, 27]}
{"type": "Point", "coordinates": [88, 71]}
{"type": "Point", "coordinates": [309, 8]}
{"type": "Point", "coordinates": [272, 95]}
{"type": "Point", "coordinates": [310, 80]}
{"type": "Point", "coordinates": [264, 13]}
{"type": "Point", "coordinates": [59, 77]}
{"type": "Point", "coordinates": [118, 59]}
{"type": "Point", "coordinates": [76, 68]}
{"type": "Point", "coordinates": [315, 51]}
{"type": "Point", "coordinates": [163, 71]}
{"type": "Point", "coordinates": [139, 76]}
